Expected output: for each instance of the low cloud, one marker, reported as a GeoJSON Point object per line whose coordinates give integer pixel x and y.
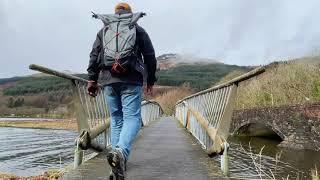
{"type": "Point", "coordinates": [59, 33]}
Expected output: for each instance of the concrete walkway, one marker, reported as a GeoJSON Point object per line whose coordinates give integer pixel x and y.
{"type": "Point", "coordinates": [163, 150]}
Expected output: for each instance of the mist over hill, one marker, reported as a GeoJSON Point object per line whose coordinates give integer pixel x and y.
{"type": "Point", "coordinates": [167, 61]}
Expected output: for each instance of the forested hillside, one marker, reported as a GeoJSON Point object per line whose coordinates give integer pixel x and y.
{"type": "Point", "coordinates": [291, 82]}
{"type": "Point", "coordinates": [199, 76]}
{"type": "Point", "coordinates": [51, 96]}
{"type": "Point", "coordinates": [35, 96]}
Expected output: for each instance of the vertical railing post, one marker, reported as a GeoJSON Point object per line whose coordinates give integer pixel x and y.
{"type": "Point", "coordinates": [80, 111]}
{"type": "Point", "coordinates": [78, 155]}
{"type": "Point", "coordinates": [81, 122]}
{"type": "Point", "coordinates": [224, 126]}
{"type": "Point", "coordinates": [225, 160]}
{"type": "Point", "coordinates": [225, 122]}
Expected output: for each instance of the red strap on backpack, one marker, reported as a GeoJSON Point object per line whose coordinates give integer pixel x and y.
{"type": "Point", "coordinates": [117, 67]}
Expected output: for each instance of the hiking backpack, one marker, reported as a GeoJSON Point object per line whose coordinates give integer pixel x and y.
{"type": "Point", "coordinates": [119, 40]}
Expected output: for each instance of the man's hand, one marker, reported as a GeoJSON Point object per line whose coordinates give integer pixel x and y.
{"type": "Point", "coordinates": [149, 90]}
{"type": "Point", "coordinates": [92, 88]}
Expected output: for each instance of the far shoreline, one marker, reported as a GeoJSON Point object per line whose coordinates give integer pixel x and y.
{"type": "Point", "coordinates": [56, 124]}
{"type": "Point", "coordinates": [10, 118]}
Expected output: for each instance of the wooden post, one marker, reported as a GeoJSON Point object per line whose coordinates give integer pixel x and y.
{"type": "Point", "coordinates": [81, 122]}
{"type": "Point", "coordinates": [225, 122]}
{"type": "Point", "coordinates": [80, 112]}
{"type": "Point", "coordinates": [78, 156]}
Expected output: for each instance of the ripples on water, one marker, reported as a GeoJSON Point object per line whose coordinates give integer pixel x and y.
{"type": "Point", "coordinates": [295, 163]}
{"type": "Point", "coordinates": [28, 152]}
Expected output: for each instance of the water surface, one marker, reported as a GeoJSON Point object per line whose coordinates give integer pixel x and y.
{"type": "Point", "coordinates": [295, 163]}
{"type": "Point", "coordinates": [28, 152]}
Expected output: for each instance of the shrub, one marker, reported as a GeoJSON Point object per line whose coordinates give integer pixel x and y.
{"type": "Point", "coordinates": [316, 90]}
{"type": "Point", "coordinates": [169, 99]}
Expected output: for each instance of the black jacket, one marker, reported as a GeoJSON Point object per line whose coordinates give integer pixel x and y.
{"type": "Point", "coordinates": [145, 50]}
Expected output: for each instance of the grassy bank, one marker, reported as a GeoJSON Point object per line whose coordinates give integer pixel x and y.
{"type": "Point", "coordinates": [56, 124]}
{"type": "Point", "coordinates": [282, 84]}
{"type": "Point", "coordinates": [48, 175]}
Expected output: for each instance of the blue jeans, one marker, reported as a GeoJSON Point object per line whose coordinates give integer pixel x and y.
{"type": "Point", "coordinates": [124, 102]}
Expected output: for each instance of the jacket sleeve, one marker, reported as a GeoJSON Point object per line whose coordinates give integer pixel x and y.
{"type": "Point", "coordinates": [94, 63]}
{"type": "Point", "coordinates": [149, 57]}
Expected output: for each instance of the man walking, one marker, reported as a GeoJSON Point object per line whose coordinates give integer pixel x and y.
{"type": "Point", "coordinates": [120, 53]}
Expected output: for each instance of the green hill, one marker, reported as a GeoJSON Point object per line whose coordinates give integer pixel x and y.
{"type": "Point", "coordinates": [51, 96]}
{"type": "Point", "coordinates": [199, 76]}
{"type": "Point", "coordinates": [40, 96]}
{"type": "Point", "coordinates": [283, 83]}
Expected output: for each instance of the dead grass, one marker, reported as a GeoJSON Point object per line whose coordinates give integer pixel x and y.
{"type": "Point", "coordinates": [282, 84]}
{"type": "Point", "coordinates": [48, 175]}
{"type": "Point", "coordinates": [267, 171]}
{"type": "Point", "coordinates": [169, 99]}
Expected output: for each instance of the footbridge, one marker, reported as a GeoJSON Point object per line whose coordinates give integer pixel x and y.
{"type": "Point", "coordinates": [183, 146]}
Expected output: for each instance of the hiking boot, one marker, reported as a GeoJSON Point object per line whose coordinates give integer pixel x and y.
{"type": "Point", "coordinates": [117, 163]}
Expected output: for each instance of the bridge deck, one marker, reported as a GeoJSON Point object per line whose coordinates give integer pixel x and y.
{"type": "Point", "coordinates": [161, 151]}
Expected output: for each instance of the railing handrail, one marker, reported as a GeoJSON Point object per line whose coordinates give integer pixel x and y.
{"type": "Point", "coordinates": [238, 79]}
{"type": "Point", "coordinates": [72, 77]}
{"type": "Point", "coordinates": [146, 101]}
{"type": "Point", "coordinates": [56, 73]}
{"type": "Point", "coordinates": [94, 121]}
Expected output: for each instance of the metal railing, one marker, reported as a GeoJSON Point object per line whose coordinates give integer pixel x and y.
{"type": "Point", "coordinates": [207, 115]}
{"type": "Point", "coordinates": [92, 114]}
{"type": "Point", "coordinates": [150, 111]}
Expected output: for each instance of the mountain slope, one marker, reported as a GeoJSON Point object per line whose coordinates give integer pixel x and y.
{"type": "Point", "coordinates": [167, 61]}
{"type": "Point", "coordinates": [199, 76]}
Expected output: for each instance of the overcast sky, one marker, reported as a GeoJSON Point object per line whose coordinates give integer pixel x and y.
{"type": "Point", "coordinates": [59, 33]}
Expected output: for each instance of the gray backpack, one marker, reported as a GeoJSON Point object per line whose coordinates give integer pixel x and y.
{"type": "Point", "coordinates": [119, 40]}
